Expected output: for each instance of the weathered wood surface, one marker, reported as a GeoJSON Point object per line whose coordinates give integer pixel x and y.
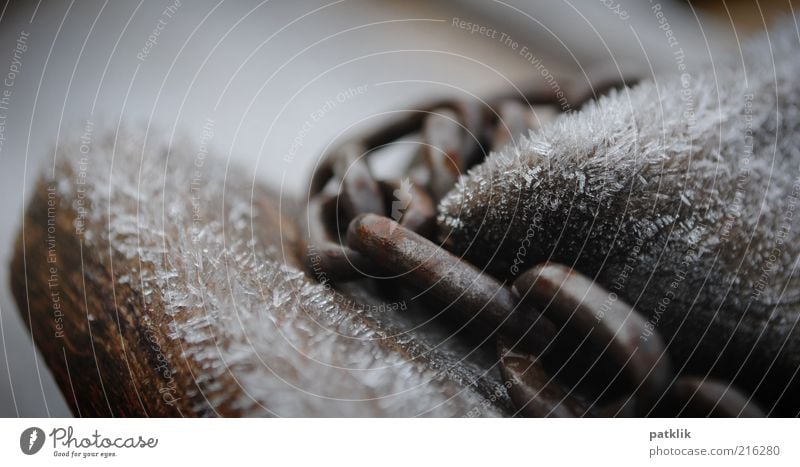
{"type": "Point", "coordinates": [165, 284]}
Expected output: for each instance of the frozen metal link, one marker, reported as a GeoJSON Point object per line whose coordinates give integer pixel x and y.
{"type": "Point", "coordinates": [533, 390]}
{"type": "Point", "coordinates": [321, 219]}
{"type": "Point", "coordinates": [455, 132]}
{"type": "Point", "coordinates": [452, 136]}
{"type": "Point", "coordinates": [392, 131]}
{"type": "Point", "coordinates": [426, 265]}
{"type": "Point", "coordinates": [444, 137]}
{"type": "Point", "coordinates": [570, 299]}
{"type": "Point", "coordinates": [474, 116]}
{"type": "Point", "coordinates": [411, 206]}
{"type": "Point", "coordinates": [359, 193]}
{"type": "Point", "coordinates": [337, 263]}
{"type": "Point", "coordinates": [325, 257]}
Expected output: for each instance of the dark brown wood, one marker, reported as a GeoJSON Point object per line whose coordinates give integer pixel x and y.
{"type": "Point", "coordinates": [173, 287]}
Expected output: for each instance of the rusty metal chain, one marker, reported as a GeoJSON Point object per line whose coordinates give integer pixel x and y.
{"type": "Point", "coordinates": [564, 353]}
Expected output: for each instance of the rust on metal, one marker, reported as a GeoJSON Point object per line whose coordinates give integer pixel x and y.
{"type": "Point", "coordinates": [616, 330]}
{"type": "Point", "coordinates": [599, 334]}
{"type": "Point", "coordinates": [464, 287]}
{"type": "Point", "coordinates": [359, 193]}
{"type": "Point", "coordinates": [338, 263]}
{"type": "Point", "coordinates": [411, 206]}
{"type": "Point", "coordinates": [443, 135]}
{"type": "Point", "coordinates": [533, 390]}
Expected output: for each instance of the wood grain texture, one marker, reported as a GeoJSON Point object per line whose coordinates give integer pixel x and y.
{"type": "Point", "coordinates": [159, 282]}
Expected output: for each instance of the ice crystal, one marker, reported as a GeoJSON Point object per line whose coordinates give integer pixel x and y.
{"type": "Point", "coordinates": [679, 194]}
{"type": "Point", "coordinates": [216, 290]}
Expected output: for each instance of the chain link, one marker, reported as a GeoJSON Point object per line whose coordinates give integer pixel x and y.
{"type": "Point", "coordinates": [563, 354]}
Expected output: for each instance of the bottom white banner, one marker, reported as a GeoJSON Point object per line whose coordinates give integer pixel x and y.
{"type": "Point", "coordinates": [389, 442]}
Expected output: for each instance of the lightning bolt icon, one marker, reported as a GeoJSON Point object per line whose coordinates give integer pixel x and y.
{"type": "Point", "coordinates": [33, 438]}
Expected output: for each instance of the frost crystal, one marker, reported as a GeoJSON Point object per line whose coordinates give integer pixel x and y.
{"type": "Point", "coordinates": [680, 195]}
{"type": "Point", "coordinates": [216, 292]}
